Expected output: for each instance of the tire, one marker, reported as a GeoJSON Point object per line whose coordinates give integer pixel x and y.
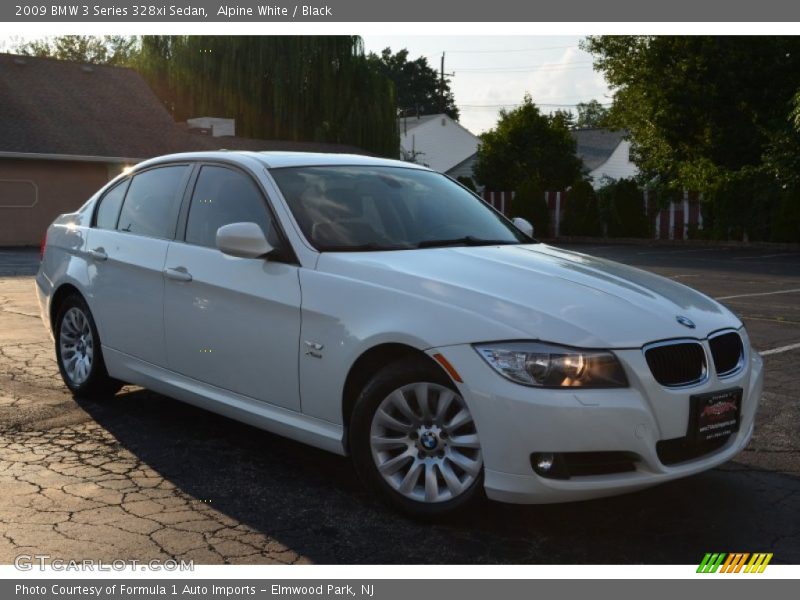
{"type": "Point", "coordinates": [424, 464]}
{"type": "Point", "coordinates": [78, 352]}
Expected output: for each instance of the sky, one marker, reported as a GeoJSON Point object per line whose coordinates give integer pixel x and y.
{"type": "Point", "coordinates": [490, 72]}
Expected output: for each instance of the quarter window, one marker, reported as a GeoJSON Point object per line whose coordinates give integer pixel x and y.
{"type": "Point", "coordinates": [223, 196]}
{"type": "Point", "coordinates": [110, 203]}
{"type": "Point", "coordinates": [150, 207]}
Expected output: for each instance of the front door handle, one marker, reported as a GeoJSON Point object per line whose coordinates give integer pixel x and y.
{"type": "Point", "coordinates": [98, 254]}
{"type": "Point", "coordinates": [178, 274]}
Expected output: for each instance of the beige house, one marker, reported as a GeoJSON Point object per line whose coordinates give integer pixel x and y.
{"type": "Point", "coordinates": [66, 128]}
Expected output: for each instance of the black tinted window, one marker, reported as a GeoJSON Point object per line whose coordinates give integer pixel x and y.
{"type": "Point", "coordinates": [108, 211]}
{"type": "Point", "coordinates": [150, 206]}
{"type": "Point", "coordinates": [223, 196]}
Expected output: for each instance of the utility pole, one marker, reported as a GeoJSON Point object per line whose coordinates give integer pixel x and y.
{"type": "Point", "coordinates": [441, 87]}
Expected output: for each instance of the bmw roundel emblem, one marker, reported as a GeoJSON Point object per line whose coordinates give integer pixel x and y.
{"type": "Point", "coordinates": [685, 321]}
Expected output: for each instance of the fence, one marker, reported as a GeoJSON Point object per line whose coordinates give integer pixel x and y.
{"type": "Point", "coordinates": [675, 222]}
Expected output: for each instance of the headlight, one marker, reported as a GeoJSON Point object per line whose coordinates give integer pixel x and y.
{"type": "Point", "coordinates": [547, 365]}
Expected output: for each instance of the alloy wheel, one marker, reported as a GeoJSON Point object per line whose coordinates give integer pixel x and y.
{"type": "Point", "coordinates": [424, 443]}
{"type": "Point", "coordinates": [76, 345]}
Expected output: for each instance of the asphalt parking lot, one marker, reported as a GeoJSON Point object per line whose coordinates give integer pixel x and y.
{"type": "Point", "coordinates": [144, 476]}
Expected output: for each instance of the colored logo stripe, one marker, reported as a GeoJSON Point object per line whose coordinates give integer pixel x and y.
{"type": "Point", "coordinates": [758, 563]}
{"type": "Point", "coordinates": [734, 562]}
{"type": "Point", "coordinates": [710, 563]}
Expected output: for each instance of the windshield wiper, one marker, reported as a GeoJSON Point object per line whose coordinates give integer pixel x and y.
{"type": "Point", "coordinates": [468, 240]}
{"type": "Point", "coordinates": [365, 247]}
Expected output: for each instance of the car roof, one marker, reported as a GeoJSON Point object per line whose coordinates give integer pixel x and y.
{"type": "Point", "coordinates": [277, 160]}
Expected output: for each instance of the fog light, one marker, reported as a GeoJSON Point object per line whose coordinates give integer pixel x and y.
{"type": "Point", "coordinates": [550, 465]}
{"type": "Point", "coordinates": [544, 462]}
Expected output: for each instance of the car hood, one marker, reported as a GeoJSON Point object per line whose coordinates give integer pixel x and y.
{"type": "Point", "coordinates": [542, 292]}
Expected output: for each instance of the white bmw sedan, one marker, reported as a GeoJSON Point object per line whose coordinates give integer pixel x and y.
{"type": "Point", "coordinates": [376, 308]}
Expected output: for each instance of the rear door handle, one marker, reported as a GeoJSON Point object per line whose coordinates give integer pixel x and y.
{"type": "Point", "coordinates": [178, 274]}
{"type": "Point", "coordinates": [98, 254]}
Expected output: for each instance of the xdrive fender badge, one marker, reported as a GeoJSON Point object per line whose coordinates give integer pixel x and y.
{"type": "Point", "coordinates": [314, 349]}
{"type": "Point", "coordinates": [685, 321]}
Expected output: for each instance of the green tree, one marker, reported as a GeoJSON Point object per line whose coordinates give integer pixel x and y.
{"type": "Point", "coordinates": [417, 85]}
{"type": "Point", "coordinates": [563, 118]}
{"type": "Point", "coordinates": [591, 114]}
{"type": "Point", "coordinates": [305, 88]}
{"type": "Point", "coordinates": [714, 114]}
{"type": "Point", "coordinates": [116, 50]}
{"type": "Point", "coordinates": [527, 145]}
{"type": "Point", "coordinates": [699, 107]}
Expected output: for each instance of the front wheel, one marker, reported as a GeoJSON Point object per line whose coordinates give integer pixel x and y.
{"type": "Point", "coordinates": [414, 440]}
{"type": "Point", "coordinates": [78, 351]}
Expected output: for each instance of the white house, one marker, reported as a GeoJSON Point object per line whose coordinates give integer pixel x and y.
{"type": "Point", "coordinates": [438, 142]}
{"type": "Point", "coordinates": [605, 154]}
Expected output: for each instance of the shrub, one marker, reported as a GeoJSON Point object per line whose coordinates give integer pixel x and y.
{"type": "Point", "coordinates": [622, 205]}
{"type": "Point", "coordinates": [529, 204]}
{"type": "Point", "coordinates": [581, 214]}
{"type": "Point", "coordinates": [743, 205]}
{"type": "Point", "coordinates": [467, 182]}
{"type": "Point", "coordinates": [786, 218]}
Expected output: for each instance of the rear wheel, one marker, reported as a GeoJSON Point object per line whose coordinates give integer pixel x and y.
{"type": "Point", "coordinates": [78, 351]}
{"type": "Point", "coordinates": [414, 441]}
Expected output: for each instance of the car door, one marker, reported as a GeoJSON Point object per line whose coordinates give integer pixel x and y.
{"type": "Point", "coordinates": [127, 247]}
{"type": "Point", "coordinates": [231, 322]}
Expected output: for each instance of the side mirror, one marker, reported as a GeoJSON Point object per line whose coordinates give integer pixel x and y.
{"type": "Point", "coordinates": [245, 240]}
{"type": "Point", "coordinates": [523, 225]}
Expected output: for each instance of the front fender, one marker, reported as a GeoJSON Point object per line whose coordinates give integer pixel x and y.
{"type": "Point", "coordinates": [347, 317]}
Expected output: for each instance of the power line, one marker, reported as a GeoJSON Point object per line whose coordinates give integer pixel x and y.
{"type": "Point", "coordinates": [511, 50]}
{"type": "Point", "coordinates": [515, 104]}
{"type": "Point", "coordinates": [571, 66]}
{"type": "Point", "coordinates": [510, 70]}
{"type": "Point", "coordinates": [571, 99]}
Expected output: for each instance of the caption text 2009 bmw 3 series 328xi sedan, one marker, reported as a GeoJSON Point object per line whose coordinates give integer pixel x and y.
{"type": "Point", "coordinates": [379, 309]}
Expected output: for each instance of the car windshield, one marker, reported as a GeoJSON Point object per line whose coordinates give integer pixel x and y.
{"type": "Point", "coordinates": [363, 208]}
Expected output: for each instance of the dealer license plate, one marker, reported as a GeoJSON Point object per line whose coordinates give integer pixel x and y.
{"type": "Point", "coordinates": [714, 415]}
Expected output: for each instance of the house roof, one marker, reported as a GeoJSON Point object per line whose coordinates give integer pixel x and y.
{"type": "Point", "coordinates": [467, 164]}
{"type": "Point", "coordinates": [65, 108]}
{"type": "Point", "coordinates": [595, 146]}
{"type": "Point", "coordinates": [412, 122]}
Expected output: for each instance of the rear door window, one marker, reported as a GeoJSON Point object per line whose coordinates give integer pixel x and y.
{"type": "Point", "coordinates": [110, 203]}
{"type": "Point", "coordinates": [152, 202]}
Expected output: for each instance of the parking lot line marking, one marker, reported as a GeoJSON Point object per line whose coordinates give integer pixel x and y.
{"type": "Point", "coordinates": [670, 251]}
{"type": "Point", "coordinates": [759, 294]}
{"type": "Point", "coordinates": [770, 319]}
{"type": "Point", "coordinates": [780, 349]}
{"type": "Point", "coordinates": [766, 256]}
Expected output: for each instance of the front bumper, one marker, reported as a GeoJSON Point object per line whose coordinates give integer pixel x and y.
{"type": "Point", "coordinates": [514, 421]}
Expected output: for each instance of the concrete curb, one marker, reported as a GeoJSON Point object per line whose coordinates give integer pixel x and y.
{"type": "Point", "coordinates": [671, 243]}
